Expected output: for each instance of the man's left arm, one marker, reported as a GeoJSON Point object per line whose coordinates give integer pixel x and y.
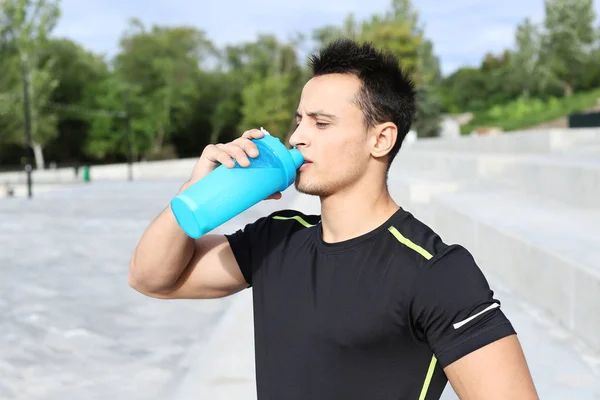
{"type": "Point", "coordinates": [495, 371]}
{"type": "Point", "coordinates": [453, 310]}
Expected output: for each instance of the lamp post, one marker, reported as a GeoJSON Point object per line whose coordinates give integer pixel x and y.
{"type": "Point", "coordinates": [129, 138]}
{"type": "Point", "coordinates": [27, 116]}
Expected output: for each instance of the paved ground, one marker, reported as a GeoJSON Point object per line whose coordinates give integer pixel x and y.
{"type": "Point", "coordinates": [71, 328]}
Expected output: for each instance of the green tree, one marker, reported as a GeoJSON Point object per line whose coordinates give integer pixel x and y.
{"type": "Point", "coordinates": [25, 26]}
{"type": "Point", "coordinates": [227, 114]}
{"type": "Point", "coordinates": [429, 65]}
{"type": "Point", "coordinates": [492, 61]}
{"type": "Point", "coordinates": [591, 75]}
{"type": "Point", "coordinates": [428, 116]}
{"type": "Point", "coordinates": [208, 114]}
{"type": "Point", "coordinates": [570, 34]}
{"type": "Point", "coordinates": [264, 78]}
{"type": "Point", "coordinates": [403, 11]}
{"type": "Point", "coordinates": [75, 69]}
{"type": "Point", "coordinates": [462, 90]}
{"type": "Point", "coordinates": [160, 62]}
{"type": "Point", "coordinates": [525, 61]}
{"type": "Point", "coordinates": [10, 83]}
{"type": "Point", "coordinates": [399, 32]}
{"type": "Point", "coordinates": [429, 102]}
{"type": "Point", "coordinates": [267, 103]}
{"type": "Point", "coordinates": [105, 103]}
{"type": "Point", "coordinates": [397, 37]}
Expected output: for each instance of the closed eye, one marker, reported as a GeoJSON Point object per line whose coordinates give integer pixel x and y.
{"type": "Point", "coordinates": [322, 125]}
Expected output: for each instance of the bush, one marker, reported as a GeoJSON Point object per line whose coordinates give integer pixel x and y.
{"type": "Point", "coordinates": [524, 113]}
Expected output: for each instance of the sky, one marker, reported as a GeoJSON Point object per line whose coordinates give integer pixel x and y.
{"type": "Point", "coordinates": [462, 31]}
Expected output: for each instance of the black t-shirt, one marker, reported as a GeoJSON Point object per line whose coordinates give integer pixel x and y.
{"type": "Point", "coordinates": [374, 317]}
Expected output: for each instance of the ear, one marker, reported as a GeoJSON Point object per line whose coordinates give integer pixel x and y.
{"type": "Point", "coordinates": [383, 138]}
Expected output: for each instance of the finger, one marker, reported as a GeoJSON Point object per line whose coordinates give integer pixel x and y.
{"type": "Point", "coordinates": [253, 134]}
{"type": "Point", "coordinates": [248, 146]}
{"type": "Point", "coordinates": [219, 155]}
{"type": "Point", "coordinates": [214, 154]}
{"type": "Point", "coordinates": [237, 153]}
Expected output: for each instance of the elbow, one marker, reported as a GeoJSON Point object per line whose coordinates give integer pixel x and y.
{"type": "Point", "coordinates": [134, 282]}
{"type": "Point", "coordinates": [148, 288]}
{"type": "Point", "coordinates": [140, 283]}
{"type": "Point", "coordinates": [134, 279]}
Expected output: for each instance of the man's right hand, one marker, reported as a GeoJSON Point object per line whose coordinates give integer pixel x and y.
{"type": "Point", "coordinates": [238, 150]}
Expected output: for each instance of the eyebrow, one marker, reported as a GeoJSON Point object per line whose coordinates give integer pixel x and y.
{"type": "Point", "coordinates": [314, 114]}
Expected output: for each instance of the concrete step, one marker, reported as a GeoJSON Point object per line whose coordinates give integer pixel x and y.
{"type": "Point", "coordinates": [572, 179]}
{"type": "Point", "coordinates": [448, 165]}
{"type": "Point", "coordinates": [546, 251]}
{"type": "Point", "coordinates": [415, 191]}
{"type": "Point", "coordinates": [530, 141]}
{"type": "Point", "coordinates": [589, 152]}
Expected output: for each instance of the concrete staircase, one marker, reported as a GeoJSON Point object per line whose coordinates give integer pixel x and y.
{"type": "Point", "coordinates": [526, 204]}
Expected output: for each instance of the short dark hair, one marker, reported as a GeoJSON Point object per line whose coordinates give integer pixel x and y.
{"type": "Point", "coordinates": [387, 94]}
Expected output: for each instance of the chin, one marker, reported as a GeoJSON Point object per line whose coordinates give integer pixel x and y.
{"type": "Point", "coordinates": [305, 186]}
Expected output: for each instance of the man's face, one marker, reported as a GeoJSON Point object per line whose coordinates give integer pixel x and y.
{"type": "Point", "coordinates": [331, 135]}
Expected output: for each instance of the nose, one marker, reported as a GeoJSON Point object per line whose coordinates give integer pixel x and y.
{"type": "Point", "coordinates": [298, 138]}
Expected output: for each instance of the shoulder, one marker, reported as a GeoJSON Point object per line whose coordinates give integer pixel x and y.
{"type": "Point", "coordinates": [414, 239]}
{"type": "Point", "coordinates": [450, 260]}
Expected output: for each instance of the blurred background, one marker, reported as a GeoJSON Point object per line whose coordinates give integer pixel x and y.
{"type": "Point", "coordinates": [105, 106]}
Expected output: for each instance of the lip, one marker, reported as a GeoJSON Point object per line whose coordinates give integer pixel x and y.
{"type": "Point", "coordinates": [305, 165]}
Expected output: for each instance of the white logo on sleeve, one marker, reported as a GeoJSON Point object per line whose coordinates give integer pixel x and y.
{"type": "Point", "coordinates": [466, 321]}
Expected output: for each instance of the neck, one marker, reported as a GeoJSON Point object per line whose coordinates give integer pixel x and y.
{"type": "Point", "coordinates": [356, 211]}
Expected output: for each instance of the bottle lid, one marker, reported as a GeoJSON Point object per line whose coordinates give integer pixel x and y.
{"type": "Point", "coordinates": [290, 160]}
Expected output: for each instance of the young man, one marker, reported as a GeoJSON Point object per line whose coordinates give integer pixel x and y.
{"type": "Point", "coordinates": [362, 301]}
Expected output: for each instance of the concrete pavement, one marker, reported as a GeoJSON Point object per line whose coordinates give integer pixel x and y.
{"type": "Point", "coordinates": [70, 326]}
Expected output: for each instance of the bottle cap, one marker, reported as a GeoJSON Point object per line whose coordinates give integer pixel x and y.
{"type": "Point", "coordinates": [290, 160]}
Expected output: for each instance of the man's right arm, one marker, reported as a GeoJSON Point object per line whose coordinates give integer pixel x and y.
{"type": "Point", "coordinates": [168, 264]}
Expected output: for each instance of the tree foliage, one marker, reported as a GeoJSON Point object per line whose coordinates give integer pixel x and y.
{"type": "Point", "coordinates": [171, 90]}
{"type": "Point", "coordinates": [25, 26]}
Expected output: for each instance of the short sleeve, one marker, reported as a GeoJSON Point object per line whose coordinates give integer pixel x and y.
{"type": "Point", "coordinates": [249, 246]}
{"type": "Point", "coordinates": [453, 308]}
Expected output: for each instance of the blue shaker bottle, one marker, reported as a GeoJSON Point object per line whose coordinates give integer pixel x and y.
{"type": "Point", "coordinates": [227, 192]}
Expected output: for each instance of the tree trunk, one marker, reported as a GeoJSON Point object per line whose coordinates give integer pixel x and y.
{"type": "Point", "coordinates": [158, 143]}
{"type": "Point", "coordinates": [214, 136]}
{"type": "Point", "coordinates": [39, 155]}
{"type": "Point", "coordinates": [568, 89]}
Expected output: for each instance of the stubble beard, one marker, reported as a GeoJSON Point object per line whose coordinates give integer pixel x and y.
{"type": "Point", "coordinates": [314, 187]}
